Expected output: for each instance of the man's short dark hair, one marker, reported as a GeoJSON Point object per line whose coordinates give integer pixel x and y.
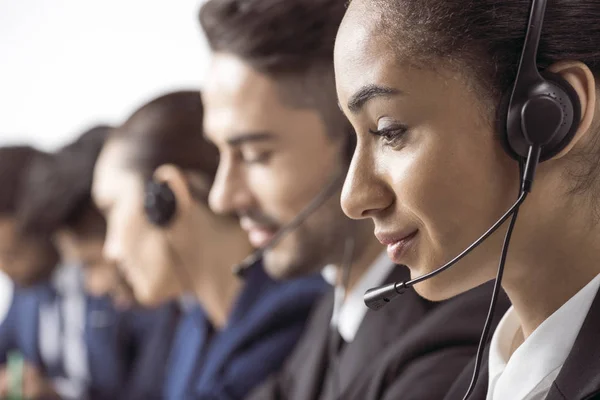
{"type": "Point", "coordinates": [14, 164]}
{"type": "Point", "coordinates": [274, 36]}
{"type": "Point", "coordinates": [57, 190]}
{"type": "Point", "coordinates": [289, 40]}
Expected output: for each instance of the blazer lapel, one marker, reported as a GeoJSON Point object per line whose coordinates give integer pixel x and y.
{"type": "Point", "coordinates": [313, 378]}
{"type": "Point", "coordinates": [310, 375]}
{"type": "Point", "coordinates": [106, 355]}
{"type": "Point", "coordinates": [376, 331]}
{"type": "Point", "coordinates": [186, 354]}
{"type": "Point", "coordinates": [27, 332]}
{"type": "Point", "coordinates": [579, 377]}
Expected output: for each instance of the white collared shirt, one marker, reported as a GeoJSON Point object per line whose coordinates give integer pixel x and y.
{"type": "Point", "coordinates": [529, 372]}
{"type": "Point", "coordinates": [6, 295]}
{"type": "Point", "coordinates": [62, 332]}
{"type": "Point", "coordinates": [348, 315]}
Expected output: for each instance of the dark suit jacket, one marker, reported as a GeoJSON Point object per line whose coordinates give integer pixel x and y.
{"type": "Point", "coordinates": [579, 378]}
{"type": "Point", "coordinates": [126, 350]}
{"type": "Point", "coordinates": [411, 349]}
{"type": "Point", "coordinates": [263, 328]}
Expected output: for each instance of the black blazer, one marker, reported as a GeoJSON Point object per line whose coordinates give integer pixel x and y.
{"type": "Point", "coordinates": [579, 378]}
{"type": "Point", "coordinates": [411, 349]}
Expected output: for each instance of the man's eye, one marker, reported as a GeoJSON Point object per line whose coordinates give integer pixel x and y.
{"type": "Point", "coordinates": [255, 157]}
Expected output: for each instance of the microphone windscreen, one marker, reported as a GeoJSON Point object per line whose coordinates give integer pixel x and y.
{"type": "Point", "coordinates": [240, 269]}
{"type": "Point", "coordinates": [378, 297]}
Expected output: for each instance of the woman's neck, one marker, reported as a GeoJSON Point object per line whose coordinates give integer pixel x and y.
{"type": "Point", "coordinates": [213, 283]}
{"type": "Point", "coordinates": [560, 258]}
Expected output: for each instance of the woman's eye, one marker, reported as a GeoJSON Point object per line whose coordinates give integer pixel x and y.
{"type": "Point", "coordinates": [391, 135]}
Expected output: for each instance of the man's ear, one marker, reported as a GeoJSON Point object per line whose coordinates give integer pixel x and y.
{"type": "Point", "coordinates": [175, 178]}
{"type": "Point", "coordinates": [581, 78]}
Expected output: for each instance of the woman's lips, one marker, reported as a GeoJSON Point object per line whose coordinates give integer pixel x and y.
{"type": "Point", "coordinates": [397, 244]}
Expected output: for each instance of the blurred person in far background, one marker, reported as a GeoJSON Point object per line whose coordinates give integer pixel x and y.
{"type": "Point", "coordinates": [56, 200]}
{"type": "Point", "coordinates": [152, 182]}
{"type": "Point", "coordinates": [25, 259]}
{"type": "Point", "coordinates": [66, 327]}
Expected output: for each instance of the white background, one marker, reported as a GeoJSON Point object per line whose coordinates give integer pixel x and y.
{"type": "Point", "coordinates": [68, 64]}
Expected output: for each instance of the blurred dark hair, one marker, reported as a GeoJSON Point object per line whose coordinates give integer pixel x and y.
{"type": "Point", "coordinates": [290, 40]}
{"type": "Point", "coordinates": [14, 164]}
{"type": "Point", "coordinates": [168, 130]}
{"type": "Point", "coordinates": [57, 191]}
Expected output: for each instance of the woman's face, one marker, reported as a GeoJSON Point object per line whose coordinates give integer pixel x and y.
{"type": "Point", "coordinates": [26, 260]}
{"type": "Point", "coordinates": [427, 168]}
{"type": "Point", "coordinates": [139, 248]}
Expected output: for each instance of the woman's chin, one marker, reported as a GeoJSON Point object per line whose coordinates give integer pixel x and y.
{"type": "Point", "coordinates": [441, 287]}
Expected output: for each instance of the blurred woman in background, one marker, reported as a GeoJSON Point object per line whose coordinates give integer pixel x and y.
{"type": "Point", "coordinates": [56, 201]}
{"type": "Point", "coordinates": [152, 182]}
{"type": "Point", "coordinates": [25, 259]}
{"type": "Point", "coordinates": [65, 326]}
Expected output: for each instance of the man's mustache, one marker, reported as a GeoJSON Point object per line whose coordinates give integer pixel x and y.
{"type": "Point", "coordinates": [260, 218]}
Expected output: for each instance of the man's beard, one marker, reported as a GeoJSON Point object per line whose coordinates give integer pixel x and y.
{"type": "Point", "coordinates": [312, 245]}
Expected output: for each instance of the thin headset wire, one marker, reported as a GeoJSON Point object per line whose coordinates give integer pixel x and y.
{"type": "Point", "coordinates": [483, 237]}
{"type": "Point", "coordinates": [346, 270]}
{"type": "Point", "coordinates": [488, 322]}
{"type": "Point", "coordinates": [497, 285]}
{"type": "Point", "coordinates": [321, 198]}
{"type": "Point", "coordinates": [183, 276]}
{"type": "Point", "coordinates": [325, 193]}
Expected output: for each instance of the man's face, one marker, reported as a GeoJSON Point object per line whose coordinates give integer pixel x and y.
{"type": "Point", "coordinates": [275, 158]}
{"type": "Point", "coordinates": [26, 260]}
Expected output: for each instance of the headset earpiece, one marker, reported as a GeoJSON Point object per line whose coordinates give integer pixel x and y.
{"type": "Point", "coordinates": [548, 115]}
{"type": "Point", "coordinates": [569, 102]}
{"type": "Point", "coordinates": [543, 109]}
{"type": "Point", "coordinates": [160, 203]}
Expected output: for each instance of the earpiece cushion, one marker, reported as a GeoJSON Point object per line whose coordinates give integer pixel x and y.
{"type": "Point", "coordinates": [568, 134]}
{"type": "Point", "coordinates": [563, 139]}
{"type": "Point", "coordinates": [160, 204]}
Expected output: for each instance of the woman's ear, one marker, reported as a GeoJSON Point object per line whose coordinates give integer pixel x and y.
{"type": "Point", "coordinates": [581, 78]}
{"type": "Point", "coordinates": [174, 177]}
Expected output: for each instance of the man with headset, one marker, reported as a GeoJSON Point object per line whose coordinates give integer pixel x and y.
{"type": "Point", "coordinates": [270, 107]}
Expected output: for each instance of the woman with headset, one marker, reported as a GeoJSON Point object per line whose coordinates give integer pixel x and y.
{"type": "Point", "coordinates": [152, 182]}
{"type": "Point", "coordinates": [55, 200]}
{"type": "Point", "coordinates": [457, 108]}
{"type": "Point", "coordinates": [73, 339]}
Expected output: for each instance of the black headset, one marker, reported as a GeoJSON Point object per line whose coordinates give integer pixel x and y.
{"type": "Point", "coordinates": [544, 109]}
{"type": "Point", "coordinates": [160, 203]}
